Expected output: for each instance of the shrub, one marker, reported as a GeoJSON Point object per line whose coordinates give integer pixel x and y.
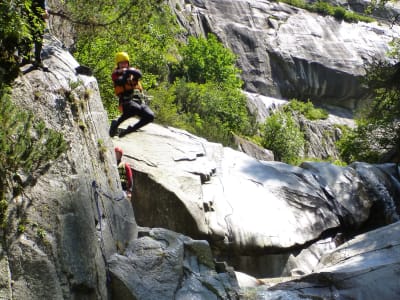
{"type": "Point", "coordinates": [339, 13]}
{"type": "Point", "coordinates": [212, 111]}
{"type": "Point", "coordinates": [207, 60]}
{"type": "Point", "coordinates": [18, 24]}
{"type": "Point", "coordinates": [282, 135]}
{"type": "Point", "coordinates": [322, 8]}
{"type": "Point", "coordinates": [307, 109]}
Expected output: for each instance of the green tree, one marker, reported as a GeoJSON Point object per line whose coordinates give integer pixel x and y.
{"type": "Point", "coordinates": [376, 138]}
{"type": "Point", "coordinates": [207, 60]}
{"type": "Point", "coordinates": [213, 112]}
{"type": "Point", "coordinates": [282, 135]}
{"type": "Point", "coordinates": [18, 23]}
{"type": "Point", "coordinates": [208, 102]}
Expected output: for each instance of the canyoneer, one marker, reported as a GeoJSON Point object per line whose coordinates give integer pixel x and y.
{"type": "Point", "coordinates": [128, 88]}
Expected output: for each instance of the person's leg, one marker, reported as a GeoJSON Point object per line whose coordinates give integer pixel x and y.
{"type": "Point", "coordinates": [113, 128]}
{"type": "Point", "coordinates": [38, 51]}
{"type": "Point", "coordinates": [127, 112]}
{"type": "Point", "coordinates": [146, 116]}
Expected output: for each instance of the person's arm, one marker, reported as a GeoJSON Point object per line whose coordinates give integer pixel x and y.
{"type": "Point", "coordinates": [118, 77]}
{"type": "Point", "coordinates": [135, 72]}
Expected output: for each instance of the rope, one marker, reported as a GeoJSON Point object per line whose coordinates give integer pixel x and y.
{"type": "Point", "coordinates": [98, 189]}
{"type": "Point", "coordinates": [96, 199]}
{"type": "Point", "coordinates": [96, 192]}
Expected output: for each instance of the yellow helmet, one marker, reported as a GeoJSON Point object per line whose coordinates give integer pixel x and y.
{"type": "Point", "coordinates": [121, 56]}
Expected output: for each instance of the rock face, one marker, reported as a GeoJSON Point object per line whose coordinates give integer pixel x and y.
{"type": "Point", "coordinates": [69, 232]}
{"type": "Point", "coordinates": [250, 208]}
{"type": "Point", "coordinates": [269, 218]}
{"type": "Point", "coordinates": [287, 52]}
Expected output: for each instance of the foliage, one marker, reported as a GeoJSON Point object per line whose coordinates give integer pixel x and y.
{"type": "Point", "coordinates": [195, 86]}
{"type": "Point", "coordinates": [26, 146]}
{"type": "Point", "coordinates": [212, 111]}
{"type": "Point", "coordinates": [282, 135]}
{"type": "Point", "coordinates": [353, 147]}
{"type": "Point", "coordinates": [326, 9]}
{"type": "Point", "coordinates": [208, 97]}
{"type": "Point", "coordinates": [207, 60]}
{"type": "Point", "coordinates": [18, 27]}
{"type": "Point", "coordinates": [164, 104]}
{"type": "Point", "coordinates": [144, 29]}
{"type": "Point", "coordinates": [307, 109]}
{"type": "Point", "coordinates": [378, 132]}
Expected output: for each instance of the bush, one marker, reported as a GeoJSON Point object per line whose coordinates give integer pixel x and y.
{"type": "Point", "coordinates": [307, 109]}
{"type": "Point", "coordinates": [212, 111]}
{"type": "Point", "coordinates": [165, 108]}
{"type": "Point", "coordinates": [322, 8]}
{"type": "Point", "coordinates": [339, 13]}
{"type": "Point", "coordinates": [282, 135]}
{"type": "Point", "coordinates": [207, 60]}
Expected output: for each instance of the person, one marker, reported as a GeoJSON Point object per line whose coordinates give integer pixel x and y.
{"type": "Point", "coordinates": [129, 90]}
{"type": "Point", "coordinates": [125, 172]}
{"type": "Point", "coordinates": [38, 26]}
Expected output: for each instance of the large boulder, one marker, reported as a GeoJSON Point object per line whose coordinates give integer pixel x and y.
{"type": "Point", "coordinates": [247, 207]}
{"type": "Point", "coordinates": [162, 264]}
{"type": "Point", "coordinates": [365, 267]}
{"type": "Point", "coordinates": [73, 229]}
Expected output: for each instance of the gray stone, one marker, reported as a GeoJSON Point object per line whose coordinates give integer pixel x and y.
{"type": "Point", "coordinates": [66, 235]}
{"type": "Point", "coordinates": [286, 52]}
{"type": "Point", "coordinates": [365, 267]}
{"type": "Point", "coordinates": [161, 264]}
{"type": "Point", "coordinates": [248, 205]}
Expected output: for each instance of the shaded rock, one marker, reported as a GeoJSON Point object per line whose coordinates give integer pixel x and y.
{"type": "Point", "coordinates": [261, 106]}
{"type": "Point", "coordinates": [365, 267]}
{"type": "Point", "coordinates": [162, 264]}
{"type": "Point", "coordinates": [252, 149]}
{"type": "Point", "coordinates": [360, 192]}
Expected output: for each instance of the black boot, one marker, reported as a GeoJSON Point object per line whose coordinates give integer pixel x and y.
{"type": "Point", "coordinates": [113, 128]}
{"type": "Point", "coordinates": [129, 129]}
